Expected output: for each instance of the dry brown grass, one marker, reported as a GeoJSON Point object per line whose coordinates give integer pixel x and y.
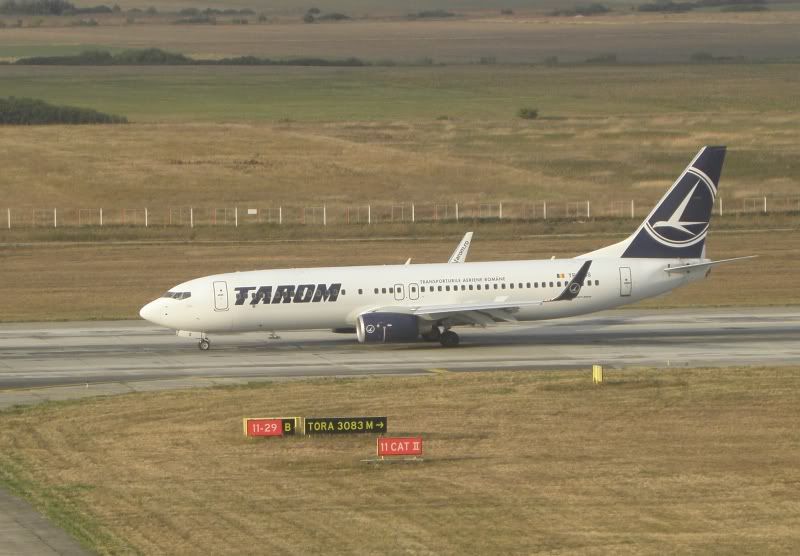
{"type": "Point", "coordinates": [639, 38]}
{"type": "Point", "coordinates": [112, 281]}
{"type": "Point", "coordinates": [222, 165]}
{"type": "Point", "coordinates": [653, 461]}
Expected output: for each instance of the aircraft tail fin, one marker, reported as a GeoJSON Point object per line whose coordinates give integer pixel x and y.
{"type": "Point", "coordinates": [677, 226]}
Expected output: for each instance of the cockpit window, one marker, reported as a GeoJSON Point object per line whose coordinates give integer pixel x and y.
{"type": "Point", "coordinates": [177, 295]}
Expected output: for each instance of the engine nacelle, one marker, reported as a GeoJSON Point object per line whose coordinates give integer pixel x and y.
{"type": "Point", "coordinates": [387, 327]}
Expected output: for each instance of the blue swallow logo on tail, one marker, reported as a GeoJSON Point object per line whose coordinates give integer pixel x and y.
{"type": "Point", "coordinates": [678, 225]}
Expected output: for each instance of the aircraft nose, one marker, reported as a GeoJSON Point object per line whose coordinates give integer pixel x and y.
{"type": "Point", "coordinates": [150, 312]}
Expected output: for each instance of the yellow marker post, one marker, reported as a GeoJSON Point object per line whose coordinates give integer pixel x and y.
{"type": "Point", "coordinates": [597, 374]}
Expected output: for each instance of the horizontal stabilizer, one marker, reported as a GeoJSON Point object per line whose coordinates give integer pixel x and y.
{"type": "Point", "coordinates": [709, 264]}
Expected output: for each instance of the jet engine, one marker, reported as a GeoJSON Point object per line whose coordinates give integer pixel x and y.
{"type": "Point", "coordinates": [386, 327]}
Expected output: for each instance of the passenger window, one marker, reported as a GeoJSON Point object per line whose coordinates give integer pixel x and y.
{"type": "Point", "coordinates": [360, 291]}
{"type": "Point", "coordinates": [495, 286]}
{"type": "Point", "coordinates": [597, 282]}
{"type": "Point", "coordinates": [536, 284]}
{"type": "Point", "coordinates": [391, 290]}
{"type": "Point", "coordinates": [502, 286]}
{"type": "Point", "coordinates": [383, 290]}
{"type": "Point", "coordinates": [413, 289]}
{"type": "Point", "coordinates": [551, 284]}
{"type": "Point", "coordinates": [478, 286]}
{"type": "Point", "coordinates": [422, 289]}
{"type": "Point", "coordinates": [511, 285]}
{"type": "Point", "coordinates": [558, 283]}
{"type": "Point", "coordinates": [440, 288]}
{"type": "Point", "coordinates": [470, 287]}
{"type": "Point", "coordinates": [344, 292]}
{"type": "Point", "coordinates": [376, 290]}
{"type": "Point", "coordinates": [447, 288]}
{"type": "Point", "coordinates": [463, 287]}
{"type": "Point", "coordinates": [529, 285]}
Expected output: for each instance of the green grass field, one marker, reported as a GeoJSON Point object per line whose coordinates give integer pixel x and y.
{"type": "Point", "coordinates": [652, 461]}
{"type": "Point", "coordinates": [473, 93]}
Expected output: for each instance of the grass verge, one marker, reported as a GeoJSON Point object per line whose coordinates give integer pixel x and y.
{"type": "Point", "coordinates": [101, 281]}
{"type": "Point", "coordinates": [652, 461]}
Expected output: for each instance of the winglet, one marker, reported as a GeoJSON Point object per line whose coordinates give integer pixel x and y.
{"type": "Point", "coordinates": [574, 287]}
{"type": "Point", "coordinates": [460, 254]}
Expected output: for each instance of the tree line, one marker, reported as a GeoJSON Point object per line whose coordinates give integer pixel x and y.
{"type": "Point", "coordinates": [30, 111]}
{"type": "Point", "coordinates": [158, 57]}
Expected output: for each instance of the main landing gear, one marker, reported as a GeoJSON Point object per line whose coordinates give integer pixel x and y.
{"type": "Point", "coordinates": [204, 344]}
{"type": "Point", "coordinates": [448, 339]}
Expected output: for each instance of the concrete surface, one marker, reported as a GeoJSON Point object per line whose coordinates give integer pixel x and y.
{"type": "Point", "coordinates": [23, 531]}
{"type": "Point", "coordinates": [67, 360]}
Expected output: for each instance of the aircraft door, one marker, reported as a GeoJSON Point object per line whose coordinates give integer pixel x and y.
{"type": "Point", "coordinates": [413, 291]}
{"type": "Point", "coordinates": [399, 295]}
{"type": "Point", "coordinates": [220, 296]}
{"type": "Point", "coordinates": [625, 283]}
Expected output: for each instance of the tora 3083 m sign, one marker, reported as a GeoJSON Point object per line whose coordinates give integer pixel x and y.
{"type": "Point", "coordinates": [346, 425]}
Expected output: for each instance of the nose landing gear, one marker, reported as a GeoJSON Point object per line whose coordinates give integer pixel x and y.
{"type": "Point", "coordinates": [204, 344]}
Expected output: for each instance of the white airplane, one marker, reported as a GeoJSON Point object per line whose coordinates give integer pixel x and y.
{"type": "Point", "coordinates": [403, 303]}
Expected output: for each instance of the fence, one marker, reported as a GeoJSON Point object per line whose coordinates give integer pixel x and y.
{"type": "Point", "coordinates": [378, 213]}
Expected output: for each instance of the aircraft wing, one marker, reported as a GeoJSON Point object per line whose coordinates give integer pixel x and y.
{"type": "Point", "coordinates": [460, 254]}
{"type": "Point", "coordinates": [486, 313]}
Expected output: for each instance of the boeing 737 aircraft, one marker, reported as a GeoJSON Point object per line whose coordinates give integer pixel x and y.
{"type": "Point", "coordinates": [403, 303]}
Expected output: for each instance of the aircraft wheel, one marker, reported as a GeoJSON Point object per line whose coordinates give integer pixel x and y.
{"type": "Point", "coordinates": [204, 344]}
{"type": "Point", "coordinates": [449, 339]}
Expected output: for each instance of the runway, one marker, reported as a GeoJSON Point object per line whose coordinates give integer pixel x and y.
{"type": "Point", "coordinates": [55, 360]}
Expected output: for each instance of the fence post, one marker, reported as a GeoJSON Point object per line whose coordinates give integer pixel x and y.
{"type": "Point", "coordinates": [324, 215]}
{"type": "Point", "coordinates": [55, 218]}
{"type": "Point", "coordinates": [413, 216]}
{"type": "Point", "coordinates": [369, 214]}
{"type": "Point", "coordinates": [9, 219]}
{"type": "Point", "coordinates": [765, 204]}
{"type": "Point", "coordinates": [720, 205]}
{"type": "Point", "coordinates": [544, 209]}
{"type": "Point", "coordinates": [456, 212]}
{"type": "Point", "coordinates": [632, 211]}
{"type": "Point", "coordinates": [191, 217]}
{"type": "Point", "coordinates": [588, 211]}
{"type": "Point", "coordinates": [101, 218]}
{"type": "Point", "coordinates": [280, 215]}
{"type": "Point", "coordinates": [500, 212]}
{"type": "Point", "coordinates": [145, 217]}
{"type": "Point", "coordinates": [236, 216]}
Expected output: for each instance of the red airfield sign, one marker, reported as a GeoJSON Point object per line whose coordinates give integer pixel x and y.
{"type": "Point", "coordinates": [399, 446]}
{"type": "Point", "coordinates": [271, 426]}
